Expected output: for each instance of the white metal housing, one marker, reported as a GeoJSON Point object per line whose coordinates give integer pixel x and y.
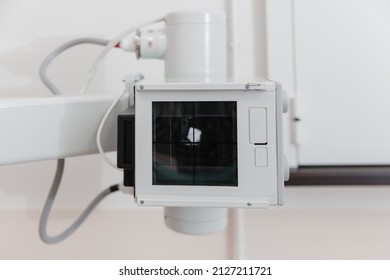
{"type": "Point", "coordinates": [260, 164]}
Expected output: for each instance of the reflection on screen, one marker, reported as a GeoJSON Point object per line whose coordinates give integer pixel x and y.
{"type": "Point", "coordinates": [195, 143]}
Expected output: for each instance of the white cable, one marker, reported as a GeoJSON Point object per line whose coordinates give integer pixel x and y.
{"type": "Point", "coordinates": [108, 47]}
{"type": "Point", "coordinates": [100, 129]}
{"type": "Point", "coordinates": [91, 74]}
{"type": "Point", "coordinates": [49, 203]}
{"type": "Point", "coordinates": [127, 93]}
{"type": "Point", "coordinates": [49, 58]}
{"type": "Point", "coordinates": [61, 162]}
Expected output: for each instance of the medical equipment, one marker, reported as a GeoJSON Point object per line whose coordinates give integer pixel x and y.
{"type": "Point", "coordinates": [203, 145]}
{"type": "Point", "coordinates": [196, 144]}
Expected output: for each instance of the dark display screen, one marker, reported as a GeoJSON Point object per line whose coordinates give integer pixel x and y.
{"type": "Point", "coordinates": [195, 143]}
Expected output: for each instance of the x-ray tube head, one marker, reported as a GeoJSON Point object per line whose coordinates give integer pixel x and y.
{"type": "Point", "coordinates": [208, 147]}
{"type": "Point", "coordinates": [202, 145]}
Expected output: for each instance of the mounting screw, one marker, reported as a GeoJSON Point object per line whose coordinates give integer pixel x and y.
{"type": "Point", "coordinates": [247, 86]}
{"type": "Point", "coordinates": [142, 202]}
{"type": "Point", "coordinates": [249, 204]}
{"type": "Point", "coordinates": [141, 87]}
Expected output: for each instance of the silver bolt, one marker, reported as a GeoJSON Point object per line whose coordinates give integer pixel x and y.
{"type": "Point", "coordinates": [141, 87]}
{"type": "Point", "coordinates": [142, 202]}
{"type": "Point", "coordinates": [247, 86]}
{"type": "Point", "coordinates": [249, 204]}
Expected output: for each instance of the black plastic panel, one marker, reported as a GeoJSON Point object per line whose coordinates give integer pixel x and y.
{"type": "Point", "coordinates": [126, 147]}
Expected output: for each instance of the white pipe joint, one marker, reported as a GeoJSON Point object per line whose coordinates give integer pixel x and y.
{"type": "Point", "coordinates": [146, 44]}
{"type": "Point", "coordinates": [152, 44]}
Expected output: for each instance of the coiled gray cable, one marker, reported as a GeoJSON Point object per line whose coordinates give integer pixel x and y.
{"type": "Point", "coordinates": [49, 203]}
{"type": "Point", "coordinates": [61, 162]}
{"type": "Point", "coordinates": [43, 69]}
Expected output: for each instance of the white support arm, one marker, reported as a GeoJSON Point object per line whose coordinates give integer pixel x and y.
{"type": "Point", "coordinates": [34, 129]}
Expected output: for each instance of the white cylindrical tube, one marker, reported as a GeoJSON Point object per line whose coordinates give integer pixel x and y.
{"type": "Point", "coordinates": [195, 221]}
{"type": "Point", "coordinates": [196, 47]}
{"type": "Point", "coordinates": [196, 52]}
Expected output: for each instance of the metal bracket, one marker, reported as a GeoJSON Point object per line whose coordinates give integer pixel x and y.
{"type": "Point", "coordinates": [254, 86]}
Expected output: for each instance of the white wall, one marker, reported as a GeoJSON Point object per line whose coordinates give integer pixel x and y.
{"type": "Point", "coordinates": [315, 223]}
{"type": "Point", "coordinates": [333, 56]}
{"type": "Point", "coordinates": [342, 81]}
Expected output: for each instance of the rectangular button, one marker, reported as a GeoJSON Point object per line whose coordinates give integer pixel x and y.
{"type": "Point", "coordinates": [258, 125]}
{"type": "Point", "coordinates": [261, 157]}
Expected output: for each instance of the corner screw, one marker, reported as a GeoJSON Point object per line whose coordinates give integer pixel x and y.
{"type": "Point", "coordinates": [249, 204]}
{"type": "Point", "coordinates": [248, 86]}
{"type": "Point", "coordinates": [141, 87]}
{"type": "Point", "coordinates": [142, 202]}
